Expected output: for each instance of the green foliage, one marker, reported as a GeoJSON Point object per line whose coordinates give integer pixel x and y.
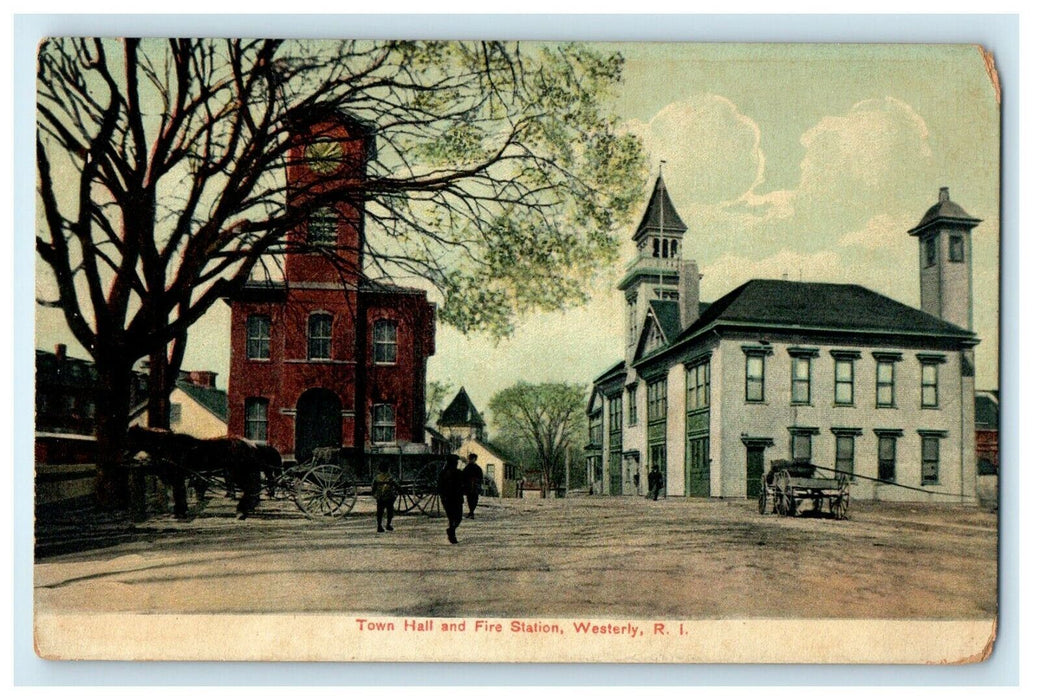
{"type": "Point", "coordinates": [544, 420]}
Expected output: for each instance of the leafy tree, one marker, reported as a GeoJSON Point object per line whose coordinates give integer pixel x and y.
{"type": "Point", "coordinates": [498, 175]}
{"type": "Point", "coordinates": [545, 419]}
{"type": "Point", "coordinates": [436, 392]}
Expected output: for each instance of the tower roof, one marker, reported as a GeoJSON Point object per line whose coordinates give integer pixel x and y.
{"type": "Point", "coordinates": [461, 411]}
{"type": "Point", "coordinates": [944, 212]}
{"type": "Point", "coordinates": [660, 214]}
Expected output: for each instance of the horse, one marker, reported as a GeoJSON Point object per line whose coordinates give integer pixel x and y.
{"type": "Point", "coordinates": [176, 457]}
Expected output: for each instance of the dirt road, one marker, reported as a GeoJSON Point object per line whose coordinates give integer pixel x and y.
{"type": "Point", "coordinates": [626, 558]}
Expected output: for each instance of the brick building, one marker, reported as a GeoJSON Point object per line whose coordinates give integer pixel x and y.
{"type": "Point", "coordinates": [325, 357]}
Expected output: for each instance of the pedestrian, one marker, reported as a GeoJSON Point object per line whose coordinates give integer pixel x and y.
{"type": "Point", "coordinates": [635, 481]}
{"type": "Point", "coordinates": [384, 490]}
{"type": "Point", "coordinates": [473, 480]}
{"type": "Point", "coordinates": [655, 482]}
{"type": "Point", "coordinates": [450, 486]}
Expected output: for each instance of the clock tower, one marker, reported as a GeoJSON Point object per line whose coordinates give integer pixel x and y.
{"type": "Point", "coordinates": [326, 172]}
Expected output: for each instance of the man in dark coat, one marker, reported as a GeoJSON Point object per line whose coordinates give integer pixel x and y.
{"type": "Point", "coordinates": [450, 486]}
{"type": "Point", "coordinates": [655, 481]}
{"type": "Point", "coordinates": [473, 479]}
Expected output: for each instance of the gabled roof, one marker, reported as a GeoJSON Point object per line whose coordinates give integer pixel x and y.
{"type": "Point", "coordinates": [668, 317]}
{"type": "Point", "coordinates": [786, 305]}
{"type": "Point", "coordinates": [460, 411]}
{"type": "Point", "coordinates": [210, 398]}
{"type": "Point", "coordinates": [660, 214]}
{"type": "Point", "coordinates": [503, 455]}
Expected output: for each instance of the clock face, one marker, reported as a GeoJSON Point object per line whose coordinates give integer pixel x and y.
{"type": "Point", "coordinates": [324, 156]}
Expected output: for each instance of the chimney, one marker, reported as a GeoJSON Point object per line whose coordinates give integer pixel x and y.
{"type": "Point", "coordinates": [203, 378]}
{"type": "Point", "coordinates": [689, 292]}
{"type": "Point", "coordinates": [944, 194]}
{"type": "Point", "coordinates": [59, 351]}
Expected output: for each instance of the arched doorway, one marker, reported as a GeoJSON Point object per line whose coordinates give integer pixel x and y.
{"type": "Point", "coordinates": [319, 422]}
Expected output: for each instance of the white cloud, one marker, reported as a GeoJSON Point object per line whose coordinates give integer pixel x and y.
{"type": "Point", "coordinates": [881, 231]}
{"type": "Point", "coordinates": [712, 149]}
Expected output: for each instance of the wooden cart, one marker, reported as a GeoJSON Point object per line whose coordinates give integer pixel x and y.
{"type": "Point", "coordinates": [327, 487]}
{"type": "Point", "coordinates": [787, 484]}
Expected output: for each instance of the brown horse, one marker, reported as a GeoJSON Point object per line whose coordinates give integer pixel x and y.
{"type": "Point", "coordinates": [175, 458]}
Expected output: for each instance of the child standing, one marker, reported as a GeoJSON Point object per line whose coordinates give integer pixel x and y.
{"type": "Point", "coordinates": [384, 490]}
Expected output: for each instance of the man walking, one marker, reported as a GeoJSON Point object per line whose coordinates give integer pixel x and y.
{"type": "Point", "coordinates": [450, 488]}
{"type": "Point", "coordinates": [473, 479]}
{"type": "Point", "coordinates": [655, 482]}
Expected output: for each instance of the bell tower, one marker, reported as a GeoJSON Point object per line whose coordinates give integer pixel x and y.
{"type": "Point", "coordinates": [655, 272]}
{"type": "Point", "coordinates": [944, 246]}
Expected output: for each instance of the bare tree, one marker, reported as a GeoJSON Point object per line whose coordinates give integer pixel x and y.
{"type": "Point", "coordinates": [498, 175]}
{"type": "Point", "coordinates": [545, 418]}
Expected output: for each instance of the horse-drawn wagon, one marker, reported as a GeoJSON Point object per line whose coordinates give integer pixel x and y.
{"type": "Point", "coordinates": [327, 487]}
{"type": "Point", "coordinates": [324, 488]}
{"type": "Point", "coordinates": [787, 484]}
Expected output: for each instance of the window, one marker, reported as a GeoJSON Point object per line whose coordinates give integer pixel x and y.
{"type": "Point", "coordinates": [656, 401]}
{"type": "Point", "coordinates": [801, 380]}
{"type": "Point", "coordinates": [384, 425]}
{"type": "Point", "coordinates": [887, 457]}
{"type": "Point", "coordinates": [929, 385]}
{"type": "Point", "coordinates": [929, 459]}
{"type": "Point", "coordinates": [698, 386]}
{"type": "Point", "coordinates": [489, 471]}
{"type": "Point", "coordinates": [633, 409]}
{"type": "Point", "coordinates": [956, 249]}
{"type": "Point", "coordinates": [596, 428]}
{"type": "Point", "coordinates": [886, 383]}
{"type": "Point", "coordinates": [657, 248]}
{"type": "Point", "coordinates": [844, 378]}
{"type": "Point", "coordinates": [319, 337]}
{"type": "Point", "coordinates": [754, 389]}
{"type": "Point", "coordinates": [258, 337]}
{"type": "Point", "coordinates": [844, 453]}
{"type": "Point", "coordinates": [384, 336]}
{"type": "Point", "coordinates": [175, 413]}
{"type": "Point", "coordinates": [801, 446]}
{"type": "Point", "coordinates": [929, 251]}
{"type": "Point", "coordinates": [615, 413]}
{"type": "Point", "coordinates": [321, 227]}
{"type": "Point", "coordinates": [256, 419]}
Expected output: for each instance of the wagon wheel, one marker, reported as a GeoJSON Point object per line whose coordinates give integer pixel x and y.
{"type": "Point", "coordinates": [406, 499]}
{"type": "Point", "coordinates": [840, 503]}
{"type": "Point", "coordinates": [425, 489]}
{"type": "Point", "coordinates": [325, 492]}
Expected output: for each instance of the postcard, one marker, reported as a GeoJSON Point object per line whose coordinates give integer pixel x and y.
{"type": "Point", "coordinates": [516, 351]}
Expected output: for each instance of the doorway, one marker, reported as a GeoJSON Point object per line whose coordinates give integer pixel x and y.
{"type": "Point", "coordinates": [319, 422]}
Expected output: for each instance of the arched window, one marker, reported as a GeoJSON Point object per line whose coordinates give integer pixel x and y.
{"type": "Point", "coordinates": [384, 340]}
{"type": "Point", "coordinates": [675, 249]}
{"type": "Point", "coordinates": [657, 248]}
{"type": "Point", "coordinates": [319, 336]}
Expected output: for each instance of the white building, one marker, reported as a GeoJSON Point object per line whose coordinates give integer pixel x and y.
{"type": "Point", "coordinates": [835, 374]}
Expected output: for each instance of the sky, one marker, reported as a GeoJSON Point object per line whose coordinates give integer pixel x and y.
{"type": "Point", "coordinates": [809, 161]}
